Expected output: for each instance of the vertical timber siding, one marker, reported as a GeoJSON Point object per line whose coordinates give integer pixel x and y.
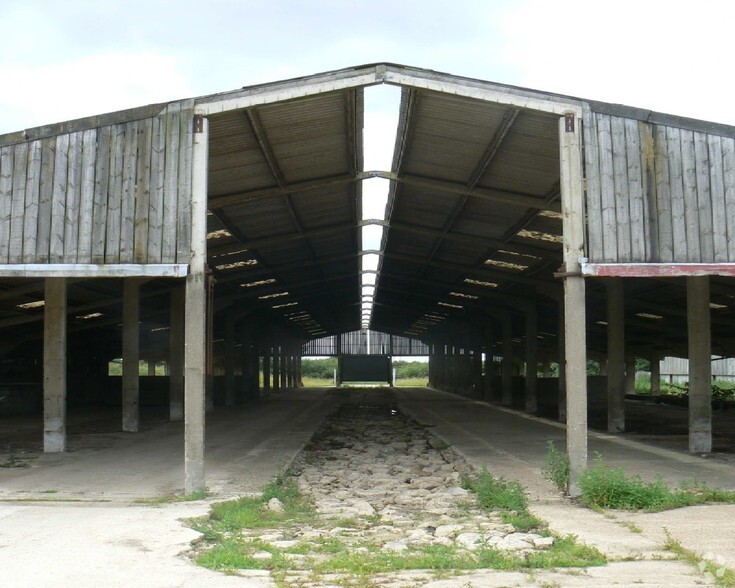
{"type": "Point", "coordinates": [113, 194]}
{"type": "Point", "coordinates": [658, 193]}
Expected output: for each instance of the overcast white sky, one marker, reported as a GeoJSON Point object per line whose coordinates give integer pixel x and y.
{"type": "Point", "coordinates": [62, 60]}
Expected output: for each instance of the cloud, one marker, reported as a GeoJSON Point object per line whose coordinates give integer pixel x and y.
{"type": "Point", "coordinates": [662, 56]}
{"type": "Point", "coordinates": [87, 86]}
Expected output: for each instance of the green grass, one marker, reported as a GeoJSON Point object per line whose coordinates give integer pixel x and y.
{"type": "Point", "coordinates": [251, 512]}
{"type": "Point", "coordinates": [507, 498]}
{"type": "Point", "coordinates": [311, 382]}
{"type": "Point", "coordinates": [721, 389]}
{"type": "Point", "coordinates": [412, 382]}
{"type": "Point", "coordinates": [605, 487]}
{"type": "Point", "coordinates": [227, 547]}
{"type": "Point", "coordinates": [333, 556]}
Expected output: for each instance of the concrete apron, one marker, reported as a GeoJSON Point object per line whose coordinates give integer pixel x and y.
{"type": "Point", "coordinates": [72, 519]}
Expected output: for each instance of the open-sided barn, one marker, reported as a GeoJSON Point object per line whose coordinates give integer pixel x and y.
{"type": "Point", "coordinates": [224, 235]}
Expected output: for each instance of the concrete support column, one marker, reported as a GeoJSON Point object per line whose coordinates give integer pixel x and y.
{"type": "Point", "coordinates": [455, 368]}
{"type": "Point", "coordinates": [616, 366]}
{"type": "Point", "coordinates": [655, 373]}
{"type": "Point", "coordinates": [276, 367]}
{"type": "Point", "coordinates": [54, 366]}
{"type": "Point", "coordinates": [575, 315]}
{"type": "Point", "coordinates": [576, 378]}
{"type": "Point", "coordinates": [209, 393]}
{"type": "Point", "coordinates": [267, 368]}
{"type": "Point", "coordinates": [246, 366]}
{"type": "Point", "coordinates": [195, 355]}
{"type": "Point", "coordinates": [489, 364]}
{"type": "Point", "coordinates": [531, 394]}
{"type": "Point", "coordinates": [629, 373]}
{"type": "Point", "coordinates": [507, 367]}
{"type": "Point", "coordinates": [230, 362]}
{"type": "Point", "coordinates": [283, 368]}
{"type": "Point", "coordinates": [151, 368]}
{"type": "Point", "coordinates": [292, 370]}
{"type": "Point", "coordinates": [256, 369]}
{"type": "Point", "coordinates": [477, 382]}
{"type": "Point", "coordinates": [131, 356]}
{"type": "Point", "coordinates": [447, 374]}
{"type": "Point", "coordinates": [700, 365]}
{"type": "Point", "coordinates": [176, 355]}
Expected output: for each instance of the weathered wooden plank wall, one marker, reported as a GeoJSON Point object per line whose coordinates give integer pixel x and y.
{"type": "Point", "coordinates": [115, 194]}
{"type": "Point", "coordinates": [658, 193]}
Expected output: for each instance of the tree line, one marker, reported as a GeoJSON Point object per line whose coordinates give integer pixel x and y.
{"type": "Point", "coordinates": [324, 368]}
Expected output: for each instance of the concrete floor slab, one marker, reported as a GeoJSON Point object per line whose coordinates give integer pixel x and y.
{"type": "Point", "coordinates": [117, 543]}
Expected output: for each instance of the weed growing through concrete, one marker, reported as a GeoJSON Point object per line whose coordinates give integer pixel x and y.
{"type": "Point", "coordinates": [632, 527]}
{"type": "Point", "coordinates": [507, 498]}
{"type": "Point", "coordinates": [713, 571]}
{"type": "Point", "coordinates": [169, 498]}
{"type": "Point", "coordinates": [556, 468]}
{"type": "Point", "coordinates": [606, 487]}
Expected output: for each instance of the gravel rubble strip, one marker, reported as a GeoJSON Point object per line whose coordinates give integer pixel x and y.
{"type": "Point", "coordinates": [376, 477]}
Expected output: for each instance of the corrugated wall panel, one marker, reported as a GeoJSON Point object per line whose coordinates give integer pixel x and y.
{"type": "Point", "coordinates": [658, 193]}
{"type": "Point", "coordinates": [356, 343]}
{"type": "Point", "coordinates": [117, 194]}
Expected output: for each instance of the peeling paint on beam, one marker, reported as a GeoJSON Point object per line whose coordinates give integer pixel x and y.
{"type": "Point", "coordinates": [656, 270]}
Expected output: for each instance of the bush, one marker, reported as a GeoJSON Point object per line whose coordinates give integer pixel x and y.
{"type": "Point", "coordinates": [413, 369]}
{"type": "Point", "coordinates": [322, 369]}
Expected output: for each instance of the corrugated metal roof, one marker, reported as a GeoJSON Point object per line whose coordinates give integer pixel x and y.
{"type": "Point", "coordinates": [473, 225]}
